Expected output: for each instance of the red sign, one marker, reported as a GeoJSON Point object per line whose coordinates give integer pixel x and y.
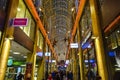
{"type": "Point", "coordinates": [20, 22]}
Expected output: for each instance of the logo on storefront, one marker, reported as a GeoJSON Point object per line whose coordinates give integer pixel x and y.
{"type": "Point", "coordinates": [18, 22]}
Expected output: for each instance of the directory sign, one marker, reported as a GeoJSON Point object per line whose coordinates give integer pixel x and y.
{"type": "Point", "coordinates": [74, 45]}
{"type": "Point", "coordinates": [47, 54]}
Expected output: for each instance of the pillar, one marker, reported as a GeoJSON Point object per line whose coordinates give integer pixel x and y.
{"type": "Point", "coordinates": [4, 58]}
{"type": "Point", "coordinates": [7, 37]}
{"type": "Point", "coordinates": [80, 53]}
{"type": "Point", "coordinates": [41, 70]}
{"type": "Point", "coordinates": [74, 65]}
{"type": "Point", "coordinates": [100, 54]}
{"type": "Point", "coordinates": [71, 61]}
{"type": "Point", "coordinates": [31, 58]}
{"type": "Point", "coordinates": [42, 65]}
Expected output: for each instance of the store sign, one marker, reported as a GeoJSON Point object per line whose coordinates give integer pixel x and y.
{"type": "Point", "coordinates": [10, 62]}
{"type": "Point", "coordinates": [19, 22]}
{"type": "Point", "coordinates": [47, 54]}
{"type": "Point", "coordinates": [74, 45]}
{"type": "Point", "coordinates": [40, 54]}
{"type": "Point", "coordinates": [87, 37]}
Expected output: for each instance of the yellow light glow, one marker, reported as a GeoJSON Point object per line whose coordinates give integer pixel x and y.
{"type": "Point", "coordinates": [18, 9]}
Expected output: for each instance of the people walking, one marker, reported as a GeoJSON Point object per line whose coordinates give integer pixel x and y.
{"type": "Point", "coordinates": [20, 76]}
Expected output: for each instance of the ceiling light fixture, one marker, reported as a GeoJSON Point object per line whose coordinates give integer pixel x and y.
{"type": "Point", "coordinates": [25, 56]}
{"type": "Point", "coordinates": [18, 9]}
{"type": "Point", "coordinates": [40, 9]}
{"type": "Point", "coordinates": [68, 31]}
{"type": "Point", "coordinates": [118, 31]}
{"type": "Point", "coordinates": [72, 9]}
{"type": "Point", "coordinates": [16, 52]}
{"type": "Point", "coordinates": [106, 37]}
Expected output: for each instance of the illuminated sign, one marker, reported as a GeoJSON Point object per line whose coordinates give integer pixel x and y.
{"type": "Point", "coordinates": [74, 45]}
{"type": "Point", "coordinates": [40, 54]}
{"type": "Point", "coordinates": [87, 37]}
{"type": "Point", "coordinates": [47, 54]}
{"type": "Point", "coordinates": [19, 22]}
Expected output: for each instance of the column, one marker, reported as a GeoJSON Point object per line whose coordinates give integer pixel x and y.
{"type": "Point", "coordinates": [71, 61]}
{"type": "Point", "coordinates": [41, 70]}
{"type": "Point", "coordinates": [31, 58]}
{"type": "Point", "coordinates": [100, 53]}
{"type": "Point", "coordinates": [4, 58]}
{"type": "Point", "coordinates": [30, 66]}
{"type": "Point", "coordinates": [74, 65]}
{"type": "Point", "coordinates": [7, 37]}
{"type": "Point", "coordinates": [80, 53]}
{"type": "Point", "coordinates": [44, 60]}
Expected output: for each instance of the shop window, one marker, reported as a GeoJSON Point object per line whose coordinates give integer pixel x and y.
{"type": "Point", "coordinates": [32, 29]}
{"type": "Point", "coordinates": [40, 40]}
{"type": "Point", "coordinates": [21, 9]}
{"type": "Point", "coordinates": [27, 28]}
{"type": "Point", "coordinates": [118, 36]}
{"type": "Point", "coordinates": [23, 12]}
{"type": "Point", "coordinates": [113, 41]}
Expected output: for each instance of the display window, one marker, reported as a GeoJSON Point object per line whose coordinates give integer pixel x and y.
{"type": "Point", "coordinates": [40, 40]}
{"type": "Point", "coordinates": [113, 48]}
{"type": "Point", "coordinates": [23, 12]}
{"type": "Point", "coordinates": [90, 60]}
{"type": "Point", "coordinates": [27, 28]}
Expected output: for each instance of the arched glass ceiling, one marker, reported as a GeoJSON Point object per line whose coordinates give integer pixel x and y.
{"type": "Point", "coordinates": [59, 22]}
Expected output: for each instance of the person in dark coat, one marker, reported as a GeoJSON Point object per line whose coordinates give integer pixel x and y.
{"type": "Point", "coordinates": [90, 75]}
{"type": "Point", "coordinates": [20, 76]}
{"type": "Point", "coordinates": [70, 76]}
{"type": "Point", "coordinates": [98, 77]}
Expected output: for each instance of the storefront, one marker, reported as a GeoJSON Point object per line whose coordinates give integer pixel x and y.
{"type": "Point", "coordinates": [23, 43]}
{"type": "Point", "coordinates": [113, 48]}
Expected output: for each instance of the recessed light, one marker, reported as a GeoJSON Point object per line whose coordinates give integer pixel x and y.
{"type": "Point", "coordinates": [118, 31]}
{"type": "Point", "coordinates": [68, 31]}
{"type": "Point", "coordinates": [25, 56]}
{"type": "Point", "coordinates": [72, 9]}
{"type": "Point", "coordinates": [23, 65]}
{"type": "Point", "coordinates": [40, 9]}
{"type": "Point", "coordinates": [16, 52]}
{"type": "Point", "coordinates": [106, 37]}
{"type": "Point", "coordinates": [18, 9]}
{"type": "Point", "coordinates": [10, 57]}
